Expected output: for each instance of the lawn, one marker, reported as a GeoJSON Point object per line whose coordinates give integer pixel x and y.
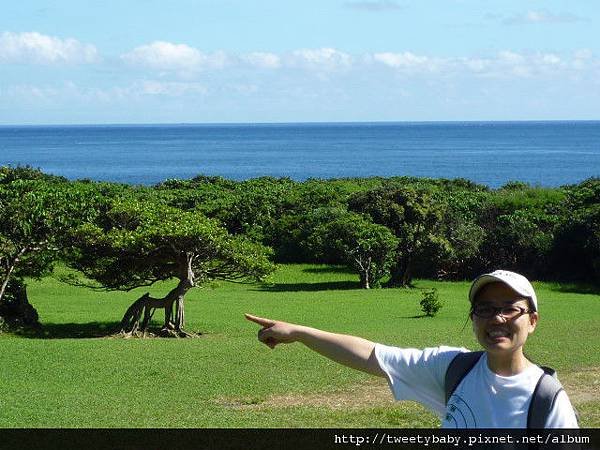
{"type": "Point", "coordinates": [76, 376]}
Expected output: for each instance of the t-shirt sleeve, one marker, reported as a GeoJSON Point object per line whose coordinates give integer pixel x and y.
{"type": "Point", "coordinates": [417, 374]}
{"type": "Point", "coordinates": [562, 414]}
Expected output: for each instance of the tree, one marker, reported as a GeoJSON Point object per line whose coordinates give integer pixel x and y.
{"type": "Point", "coordinates": [414, 215]}
{"type": "Point", "coordinates": [463, 235]}
{"type": "Point", "coordinates": [520, 222]}
{"type": "Point", "coordinates": [430, 303]}
{"type": "Point", "coordinates": [302, 208]}
{"type": "Point", "coordinates": [366, 247]}
{"type": "Point", "coordinates": [138, 243]}
{"type": "Point", "coordinates": [35, 212]}
{"type": "Point", "coordinates": [576, 248]}
{"type": "Point", "coordinates": [248, 207]}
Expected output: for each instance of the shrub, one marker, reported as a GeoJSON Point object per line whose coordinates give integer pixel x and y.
{"type": "Point", "coordinates": [431, 303]}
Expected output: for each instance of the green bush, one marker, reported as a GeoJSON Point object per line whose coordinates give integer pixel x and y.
{"type": "Point", "coordinates": [431, 303]}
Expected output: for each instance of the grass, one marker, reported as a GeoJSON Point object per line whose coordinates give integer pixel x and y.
{"type": "Point", "coordinates": [75, 376]}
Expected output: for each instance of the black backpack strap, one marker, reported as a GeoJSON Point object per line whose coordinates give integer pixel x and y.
{"type": "Point", "coordinates": [460, 366]}
{"type": "Point", "coordinates": [544, 395]}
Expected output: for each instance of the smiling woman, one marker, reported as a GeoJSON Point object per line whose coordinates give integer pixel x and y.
{"type": "Point", "coordinates": [495, 388]}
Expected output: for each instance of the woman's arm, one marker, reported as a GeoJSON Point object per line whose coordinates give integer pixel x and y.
{"type": "Point", "coordinates": [350, 351]}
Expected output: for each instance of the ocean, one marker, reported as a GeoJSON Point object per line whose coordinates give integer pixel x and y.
{"type": "Point", "coordinates": [493, 153]}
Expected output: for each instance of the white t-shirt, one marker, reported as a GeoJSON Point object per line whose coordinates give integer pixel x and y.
{"type": "Point", "coordinates": [481, 400]}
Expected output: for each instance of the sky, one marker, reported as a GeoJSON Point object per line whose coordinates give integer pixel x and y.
{"type": "Point", "coordinates": [222, 61]}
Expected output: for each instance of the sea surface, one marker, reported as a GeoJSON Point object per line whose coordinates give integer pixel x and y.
{"type": "Point", "coordinates": [492, 153]}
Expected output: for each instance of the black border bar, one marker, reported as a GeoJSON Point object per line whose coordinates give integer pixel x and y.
{"type": "Point", "coordinates": [272, 439]}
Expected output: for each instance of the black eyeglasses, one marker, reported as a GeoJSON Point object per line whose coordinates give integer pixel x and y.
{"type": "Point", "coordinates": [508, 312]}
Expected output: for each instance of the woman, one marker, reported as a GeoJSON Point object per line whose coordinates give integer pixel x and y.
{"type": "Point", "coordinates": [496, 391]}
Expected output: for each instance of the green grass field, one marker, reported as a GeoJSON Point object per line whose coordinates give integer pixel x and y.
{"type": "Point", "coordinates": [77, 377]}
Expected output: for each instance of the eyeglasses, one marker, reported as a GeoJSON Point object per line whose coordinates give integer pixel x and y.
{"type": "Point", "coordinates": [508, 312]}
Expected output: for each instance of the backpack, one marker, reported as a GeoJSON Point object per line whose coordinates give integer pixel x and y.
{"type": "Point", "coordinates": [544, 394]}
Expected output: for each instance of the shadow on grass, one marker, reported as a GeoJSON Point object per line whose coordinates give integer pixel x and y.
{"type": "Point", "coordinates": [73, 330]}
{"type": "Point", "coordinates": [420, 316]}
{"type": "Point", "coordinates": [310, 287]}
{"type": "Point", "coordinates": [329, 269]}
{"type": "Point", "coordinates": [576, 288]}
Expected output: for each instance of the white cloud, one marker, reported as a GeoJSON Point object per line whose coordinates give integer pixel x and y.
{"type": "Point", "coordinates": [476, 65]}
{"type": "Point", "coordinates": [410, 63]}
{"type": "Point", "coordinates": [401, 60]}
{"type": "Point", "coordinates": [67, 91]}
{"type": "Point", "coordinates": [583, 53]}
{"type": "Point", "coordinates": [262, 60]}
{"type": "Point", "coordinates": [509, 57]}
{"type": "Point", "coordinates": [504, 64]}
{"type": "Point", "coordinates": [161, 55]}
{"type": "Point", "coordinates": [550, 59]}
{"type": "Point", "coordinates": [74, 93]}
{"type": "Point", "coordinates": [581, 59]}
{"type": "Point", "coordinates": [533, 17]}
{"type": "Point", "coordinates": [321, 59]}
{"type": "Point", "coordinates": [523, 65]}
{"type": "Point", "coordinates": [35, 48]}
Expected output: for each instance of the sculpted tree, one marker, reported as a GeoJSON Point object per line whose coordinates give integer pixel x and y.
{"type": "Point", "coordinates": [136, 244]}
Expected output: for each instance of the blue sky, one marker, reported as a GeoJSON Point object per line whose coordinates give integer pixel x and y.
{"type": "Point", "coordinates": [152, 61]}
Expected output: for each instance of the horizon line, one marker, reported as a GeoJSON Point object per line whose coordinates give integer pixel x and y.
{"type": "Point", "coordinates": [109, 124]}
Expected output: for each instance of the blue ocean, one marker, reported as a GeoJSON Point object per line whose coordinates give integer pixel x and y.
{"type": "Point", "coordinates": [492, 153]}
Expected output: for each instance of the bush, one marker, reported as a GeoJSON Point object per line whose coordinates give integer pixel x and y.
{"type": "Point", "coordinates": [431, 303]}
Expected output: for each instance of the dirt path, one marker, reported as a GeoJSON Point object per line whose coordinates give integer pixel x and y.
{"type": "Point", "coordinates": [582, 386]}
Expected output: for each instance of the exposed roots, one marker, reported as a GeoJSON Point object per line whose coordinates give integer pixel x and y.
{"type": "Point", "coordinates": [137, 317]}
{"type": "Point", "coordinates": [177, 334]}
{"type": "Point", "coordinates": [155, 333]}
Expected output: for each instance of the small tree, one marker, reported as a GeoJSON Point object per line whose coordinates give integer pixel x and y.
{"type": "Point", "coordinates": [430, 303]}
{"type": "Point", "coordinates": [139, 243]}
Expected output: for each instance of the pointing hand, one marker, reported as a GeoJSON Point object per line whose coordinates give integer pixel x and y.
{"type": "Point", "coordinates": [273, 332]}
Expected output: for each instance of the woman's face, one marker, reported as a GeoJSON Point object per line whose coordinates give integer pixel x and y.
{"type": "Point", "coordinates": [498, 334]}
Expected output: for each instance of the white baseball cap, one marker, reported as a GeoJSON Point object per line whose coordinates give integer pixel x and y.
{"type": "Point", "coordinates": [515, 281]}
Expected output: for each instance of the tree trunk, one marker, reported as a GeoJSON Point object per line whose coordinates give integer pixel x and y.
{"type": "Point", "coordinates": [363, 266]}
{"type": "Point", "coordinates": [407, 275]}
{"type": "Point", "coordinates": [396, 275]}
{"type": "Point", "coordinates": [16, 313]}
{"type": "Point", "coordinates": [179, 314]}
{"type": "Point", "coordinates": [364, 280]}
{"type": "Point", "coordinates": [401, 273]}
{"type": "Point", "coordinates": [8, 268]}
{"type": "Point", "coordinates": [133, 323]}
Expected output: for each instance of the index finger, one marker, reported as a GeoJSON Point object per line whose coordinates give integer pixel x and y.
{"type": "Point", "coordinates": [260, 320]}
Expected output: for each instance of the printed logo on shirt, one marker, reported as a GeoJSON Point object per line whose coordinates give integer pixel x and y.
{"type": "Point", "coordinates": [459, 414]}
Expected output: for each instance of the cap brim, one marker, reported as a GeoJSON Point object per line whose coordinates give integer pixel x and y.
{"type": "Point", "coordinates": [489, 278]}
